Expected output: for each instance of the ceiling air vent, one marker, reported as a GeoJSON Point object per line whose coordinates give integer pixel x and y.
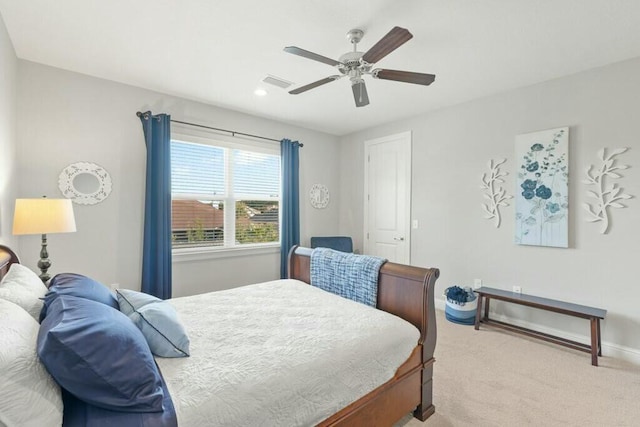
{"type": "Point", "coordinates": [276, 81]}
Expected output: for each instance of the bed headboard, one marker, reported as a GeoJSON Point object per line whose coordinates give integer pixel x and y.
{"type": "Point", "coordinates": [7, 257]}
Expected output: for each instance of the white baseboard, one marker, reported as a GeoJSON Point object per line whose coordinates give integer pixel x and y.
{"type": "Point", "coordinates": [608, 349]}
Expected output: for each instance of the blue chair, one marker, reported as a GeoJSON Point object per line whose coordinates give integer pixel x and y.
{"type": "Point", "coordinates": [339, 243]}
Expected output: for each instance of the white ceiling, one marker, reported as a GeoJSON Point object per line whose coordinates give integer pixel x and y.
{"type": "Point", "coordinates": [218, 51]}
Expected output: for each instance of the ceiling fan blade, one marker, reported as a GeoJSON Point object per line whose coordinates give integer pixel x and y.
{"type": "Point", "coordinates": [313, 85]}
{"type": "Point", "coordinates": [310, 55]}
{"type": "Point", "coordinates": [393, 40]}
{"type": "Point", "coordinates": [360, 93]}
{"type": "Point", "coordinates": [403, 76]}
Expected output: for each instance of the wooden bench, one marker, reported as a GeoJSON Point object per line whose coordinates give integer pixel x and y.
{"type": "Point", "coordinates": [592, 314]}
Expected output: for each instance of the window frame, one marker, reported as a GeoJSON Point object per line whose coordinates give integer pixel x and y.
{"type": "Point", "coordinates": [229, 143]}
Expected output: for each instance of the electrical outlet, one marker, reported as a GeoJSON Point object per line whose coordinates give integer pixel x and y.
{"type": "Point", "coordinates": [517, 290]}
{"type": "Point", "coordinates": [477, 283]}
{"type": "Point", "coordinates": [114, 286]}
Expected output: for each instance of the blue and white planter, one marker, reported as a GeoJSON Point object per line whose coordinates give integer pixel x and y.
{"type": "Point", "coordinates": [463, 313]}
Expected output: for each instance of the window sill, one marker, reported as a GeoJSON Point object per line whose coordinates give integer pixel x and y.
{"type": "Point", "coordinates": [202, 254]}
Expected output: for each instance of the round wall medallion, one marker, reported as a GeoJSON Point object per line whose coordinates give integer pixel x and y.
{"type": "Point", "coordinates": [319, 196]}
{"type": "Point", "coordinates": [85, 183]}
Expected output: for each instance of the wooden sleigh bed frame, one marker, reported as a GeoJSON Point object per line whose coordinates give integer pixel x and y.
{"type": "Point", "coordinates": [407, 292]}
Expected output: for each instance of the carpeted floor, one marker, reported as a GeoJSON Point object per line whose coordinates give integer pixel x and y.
{"type": "Point", "coordinates": [492, 377]}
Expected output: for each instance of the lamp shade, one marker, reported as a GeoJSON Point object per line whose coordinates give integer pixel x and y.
{"type": "Point", "coordinates": [43, 216]}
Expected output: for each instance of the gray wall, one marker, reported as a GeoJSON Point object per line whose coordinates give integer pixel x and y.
{"type": "Point", "coordinates": [8, 179]}
{"type": "Point", "coordinates": [65, 117]}
{"type": "Point", "coordinates": [50, 118]}
{"type": "Point", "coordinates": [451, 148]}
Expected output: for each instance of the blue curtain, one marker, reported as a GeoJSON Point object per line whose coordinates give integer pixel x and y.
{"type": "Point", "coordinates": [289, 151]}
{"type": "Point", "coordinates": [156, 251]}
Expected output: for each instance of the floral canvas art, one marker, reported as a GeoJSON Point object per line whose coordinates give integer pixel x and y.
{"type": "Point", "coordinates": [542, 192]}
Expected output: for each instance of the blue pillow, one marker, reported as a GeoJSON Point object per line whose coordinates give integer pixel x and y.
{"type": "Point", "coordinates": [99, 356]}
{"type": "Point", "coordinates": [77, 285]}
{"type": "Point", "coordinates": [158, 322]}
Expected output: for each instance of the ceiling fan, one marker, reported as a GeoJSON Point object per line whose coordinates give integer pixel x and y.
{"type": "Point", "coordinates": [357, 64]}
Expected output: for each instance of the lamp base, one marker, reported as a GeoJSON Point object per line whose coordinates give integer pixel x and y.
{"type": "Point", "coordinates": [44, 262]}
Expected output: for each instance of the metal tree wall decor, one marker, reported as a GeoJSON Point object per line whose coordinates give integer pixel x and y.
{"type": "Point", "coordinates": [496, 195]}
{"type": "Point", "coordinates": [606, 195]}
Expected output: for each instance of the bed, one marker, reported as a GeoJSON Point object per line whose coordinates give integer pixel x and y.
{"type": "Point", "coordinates": [290, 390]}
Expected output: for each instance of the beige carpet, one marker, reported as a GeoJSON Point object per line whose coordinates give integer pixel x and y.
{"type": "Point", "coordinates": [492, 377]}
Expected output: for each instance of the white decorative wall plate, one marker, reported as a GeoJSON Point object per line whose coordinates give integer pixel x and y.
{"type": "Point", "coordinates": [319, 196]}
{"type": "Point", "coordinates": [85, 183]}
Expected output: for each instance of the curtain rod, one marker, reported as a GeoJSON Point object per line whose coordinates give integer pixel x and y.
{"type": "Point", "coordinates": [232, 132]}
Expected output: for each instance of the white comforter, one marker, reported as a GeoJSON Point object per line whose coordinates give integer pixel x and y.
{"type": "Point", "coordinates": [280, 353]}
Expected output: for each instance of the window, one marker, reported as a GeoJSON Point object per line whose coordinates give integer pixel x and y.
{"type": "Point", "coordinates": [224, 196]}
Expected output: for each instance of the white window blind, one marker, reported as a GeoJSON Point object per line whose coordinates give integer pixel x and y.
{"type": "Point", "coordinates": [197, 169]}
{"type": "Point", "coordinates": [256, 174]}
{"type": "Point", "coordinates": [224, 197]}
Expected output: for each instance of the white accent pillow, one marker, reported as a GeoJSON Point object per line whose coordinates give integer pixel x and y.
{"type": "Point", "coordinates": [158, 322]}
{"type": "Point", "coordinates": [28, 395]}
{"type": "Point", "coordinates": [23, 287]}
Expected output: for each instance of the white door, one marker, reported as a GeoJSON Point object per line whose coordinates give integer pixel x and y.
{"type": "Point", "coordinates": [387, 200]}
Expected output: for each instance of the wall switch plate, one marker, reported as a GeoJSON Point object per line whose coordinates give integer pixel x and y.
{"type": "Point", "coordinates": [517, 290]}
{"type": "Point", "coordinates": [477, 283]}
{"type": "Point", "coordinates": [414, 224]}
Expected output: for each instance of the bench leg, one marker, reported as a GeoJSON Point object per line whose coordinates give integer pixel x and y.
{"type": "Point", "coordinates": [594, 341]}
{"type": "Point", "coordinates": [599, 339]}
{"type": "Point", "coordinates": [486, 307]}
{"type": "Point", "coordinates": [478, 309]}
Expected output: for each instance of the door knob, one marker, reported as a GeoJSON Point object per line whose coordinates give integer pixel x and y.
{"type": "Point", "coordinates": [399, 239]}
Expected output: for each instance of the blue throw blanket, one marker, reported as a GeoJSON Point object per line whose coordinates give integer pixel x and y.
{"type": "Point", "coordinates": [348, 275]}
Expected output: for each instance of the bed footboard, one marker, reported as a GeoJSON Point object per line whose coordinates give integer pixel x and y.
{"type": "Point", "coordinates": [407, 292]}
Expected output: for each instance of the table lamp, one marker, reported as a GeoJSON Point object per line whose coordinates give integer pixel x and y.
{"type": "Point", "coordinates": [43, 216]}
